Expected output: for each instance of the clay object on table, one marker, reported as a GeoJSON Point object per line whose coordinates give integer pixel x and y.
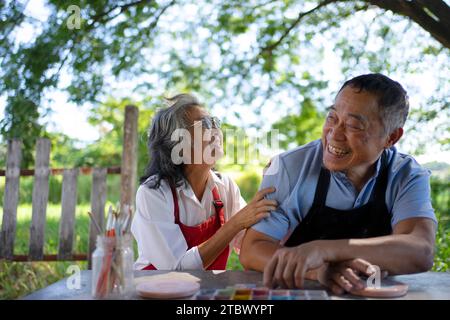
{"type": "Point", "coordinates": [388, 289]}
{"type": "Point", "coordinates": [167, 289]}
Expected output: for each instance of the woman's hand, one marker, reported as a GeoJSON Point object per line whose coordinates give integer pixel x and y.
{"type": "Point", "coordinates": [255, 210]}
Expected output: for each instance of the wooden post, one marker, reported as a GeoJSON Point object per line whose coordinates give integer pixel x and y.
{"type": "Point", "coordinates": [10, 199]}
{"type": "Point", "coordinates": [67, 223]}
{"type": "Point", "coordinates": [98, 199]}
{"type": "Point", "coordinates": [129, 156]}
{"type": "Point", "coordinates": [40, 198]}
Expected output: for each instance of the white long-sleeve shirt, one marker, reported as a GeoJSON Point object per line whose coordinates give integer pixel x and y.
{"type": "Point", "coordinates": [160, 240]}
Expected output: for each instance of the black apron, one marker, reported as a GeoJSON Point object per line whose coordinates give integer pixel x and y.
{"type": "Point", "coordinates": [370, 220]}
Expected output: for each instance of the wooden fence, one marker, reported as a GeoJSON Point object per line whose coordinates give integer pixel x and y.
{"type": "Point", "coordinates": [41, 173]}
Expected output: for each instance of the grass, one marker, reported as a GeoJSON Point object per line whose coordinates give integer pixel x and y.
{"type": "Point", "coordinates": [51, 228]}
{"type": "Point", "coordinates": [20, 278]}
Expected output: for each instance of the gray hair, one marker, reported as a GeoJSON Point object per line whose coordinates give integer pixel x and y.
{"type": "Point", "coordinates": [160, 143]}
{"type": "Point", "coordinates": [393, 102]}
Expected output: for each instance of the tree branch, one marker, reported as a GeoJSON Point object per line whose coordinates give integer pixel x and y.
{"type": "Point", "coordinates": [439, 8]}
{"type": "Point", "coordinates": [417, 11]}
{"type": "Point", "coordinates": [155, 22]}
{"type": "Point", "coordinates": [123, 8]}
{"type": "Point", "coordinates": [271, 47]}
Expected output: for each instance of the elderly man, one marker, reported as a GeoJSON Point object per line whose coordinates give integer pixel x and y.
{"type": "Point", "coordinates": [348, 201]}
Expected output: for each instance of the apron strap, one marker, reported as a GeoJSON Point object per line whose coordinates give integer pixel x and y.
{"type": "Point", "coordinates": [322, 187]}
{"type": "Point", "coordinates": [176, 208]}
{"type": "Point", "coordinates": [382, 179]}
{"type": "Point", "coordinates": [218, 205]}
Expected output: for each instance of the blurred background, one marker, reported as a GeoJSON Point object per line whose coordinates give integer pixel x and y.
{"type": "Point", "coordinates": [69, 68]}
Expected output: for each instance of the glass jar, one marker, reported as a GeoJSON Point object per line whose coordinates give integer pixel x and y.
{"type": "Point", "coordinates": [112, 267]}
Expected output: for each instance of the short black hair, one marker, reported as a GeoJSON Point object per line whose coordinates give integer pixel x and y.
{"type": "Point", "coordinates": [392, 97]}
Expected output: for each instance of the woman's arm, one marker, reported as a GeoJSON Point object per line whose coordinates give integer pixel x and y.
{"type": "Point", "coordinates": [256, 210]}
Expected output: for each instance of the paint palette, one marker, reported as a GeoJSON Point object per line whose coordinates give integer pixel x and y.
{"type": "Point", "coordinates": [251, 292]}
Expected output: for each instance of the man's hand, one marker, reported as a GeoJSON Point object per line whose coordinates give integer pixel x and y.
{"type": "Point", "coordinates": [288, 266]}
{"type": "Point", "coordinates": [345, 276]}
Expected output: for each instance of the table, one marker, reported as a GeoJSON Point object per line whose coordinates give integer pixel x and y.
{"type": "Point", "coordinates": [422, 286]}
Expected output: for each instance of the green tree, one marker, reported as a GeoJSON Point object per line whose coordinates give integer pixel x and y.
{"type": "Point", "coordinates": [300, 128]}
{"type": "Point", "coordinates": [233, 52]}
{"type": "Point", "coordinates": [109, 118]}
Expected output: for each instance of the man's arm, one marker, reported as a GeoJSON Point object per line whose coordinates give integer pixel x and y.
{"type": "Point", "coordinates": [409, 249]}
{"type": "Point", "coordinates": [344, 275]}
{"type": "Point", "coordinates": [257, 249]}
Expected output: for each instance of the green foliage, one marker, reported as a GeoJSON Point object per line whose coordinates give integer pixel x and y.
{"type": "Point", "coordinates": [233, 262]}
{"type": "Point", "coordinates": [248, 183]}
{"type": "Point", "coordinates": [232, 52]}
{"type": "Point", "coordinates": [31, 68]}
{"type": "Point", "coordinates": [299, 129]}
{"type": "Point", "coordinates": [442, 251]}
{"type": "Point", "coordinates": [20, 121]}
{"type": "Point", "coordinates": [109, 118]}
{"type": "Point", "coordinates": [242, 152]}
{"type": "Point", "coordinates": [18, 279]}
{"type": "Point", "coordinates": [440, 195]}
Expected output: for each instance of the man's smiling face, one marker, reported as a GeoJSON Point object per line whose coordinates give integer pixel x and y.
{"type": "Point", "coordinates": [353, 136]}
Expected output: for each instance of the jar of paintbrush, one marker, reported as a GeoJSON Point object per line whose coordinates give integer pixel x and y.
{"type": "Point", "coordinates": [112, 260]}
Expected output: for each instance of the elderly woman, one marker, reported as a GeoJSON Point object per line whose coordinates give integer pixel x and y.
{"type": "Point", "coordinates": [186, 214]}
{"type": "Point", "coordinates": [349, 202]}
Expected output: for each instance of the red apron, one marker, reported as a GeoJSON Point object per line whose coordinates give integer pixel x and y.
{"type": "Point", "coordinates": [198, 234]}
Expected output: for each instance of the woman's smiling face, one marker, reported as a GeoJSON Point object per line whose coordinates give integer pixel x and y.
{"type": "Point", "coordinates": [353, 136]}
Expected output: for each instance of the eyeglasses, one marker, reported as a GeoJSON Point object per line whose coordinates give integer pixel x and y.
{"type": "Point", "coordinates": [209, 123]}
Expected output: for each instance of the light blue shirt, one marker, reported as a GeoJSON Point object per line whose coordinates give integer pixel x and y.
{"type": "Point", "coordinates": [295, 174]}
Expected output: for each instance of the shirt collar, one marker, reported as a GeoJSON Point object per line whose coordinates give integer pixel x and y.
{"type": "Point", "coordinates": [213, 180]}
{"type": "Point", "coordinates": [216, 179]}
{"type": "Point", "coordinates": [342, 175]}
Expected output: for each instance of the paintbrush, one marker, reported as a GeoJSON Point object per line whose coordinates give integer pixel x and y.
{"type": "Point", "coordinates": [109, 221]}
{"type": "Point", "coordinates": [99, 229]}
